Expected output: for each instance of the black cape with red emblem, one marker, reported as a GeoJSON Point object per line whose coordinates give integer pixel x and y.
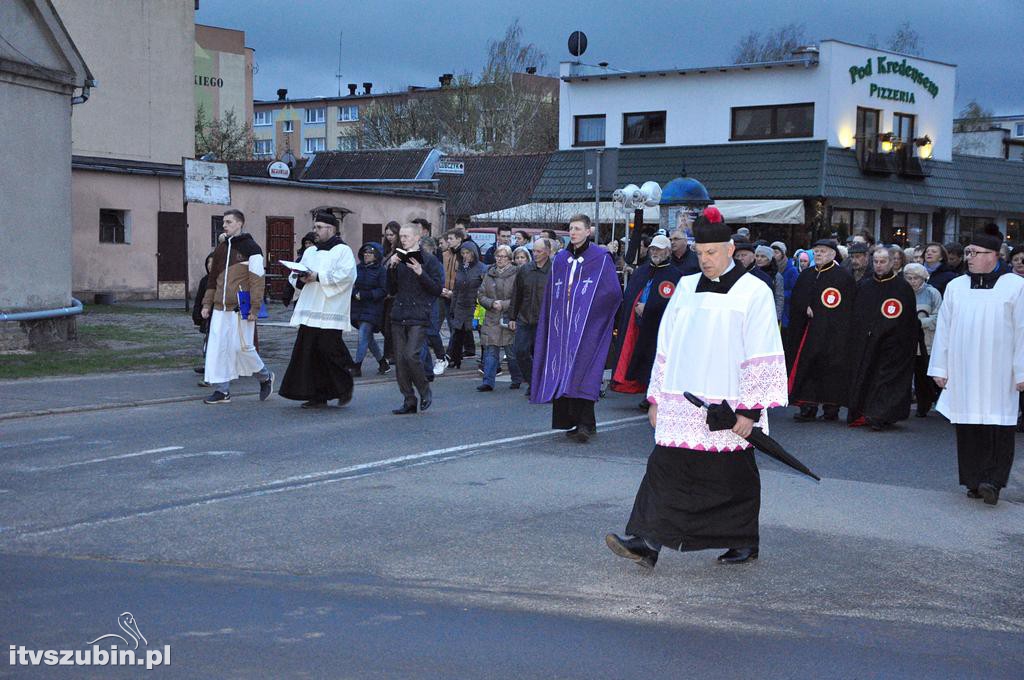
{"type": "Point", "coordinates": [883, 342]}
{"type": "Point", "coordinates": [816, 346]}
{"type": "Point", "coordinates": [637, 339]}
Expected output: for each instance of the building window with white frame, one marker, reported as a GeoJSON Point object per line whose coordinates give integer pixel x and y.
{"type": "Point", "coordinates": [288, 126]}
{"type": "Point", "coordinates": [316, 115]}
{"type": "Point", "coordinates": [315, 144]}
{"type": "Point", "coordinates": [262, 118]}
{"type": "Point", "coordinates": [347, 143]}
{"type": "Point", "coordinates": [115, 226]}
{"type": "Point", "coordinates": [1018, 130]}
{"type": "Point", "coordinates": [263, 147]}
{"type": "Point", "coordinates": [348, 113]}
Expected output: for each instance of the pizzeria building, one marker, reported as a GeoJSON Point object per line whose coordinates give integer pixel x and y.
{"type": "Point", "coordinates": [838, 138]}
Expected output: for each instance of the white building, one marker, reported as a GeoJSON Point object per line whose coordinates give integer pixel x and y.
{"type": "Point", "coordinates": [864, 137]}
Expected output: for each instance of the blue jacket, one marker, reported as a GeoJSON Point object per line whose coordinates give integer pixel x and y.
{"type": "Point", "coordinates": [370, 288]}
{"type": "Point", "coordinates": [789, 277]}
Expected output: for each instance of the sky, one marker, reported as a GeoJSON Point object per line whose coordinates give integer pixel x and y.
{"type": "Point", "coordinates": [397, 43]}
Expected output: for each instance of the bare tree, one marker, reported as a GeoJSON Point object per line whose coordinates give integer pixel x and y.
{"type": "Point", "coordinates": [777, 45]}
{"type": "Point", "coordinates": [390, 122]}
{"type": "Point", "coordinates": [972, 118]}
{"type": "Point", "coordinates": [905, 40]}
{"type": "Point", "coordinates": [227, 138]}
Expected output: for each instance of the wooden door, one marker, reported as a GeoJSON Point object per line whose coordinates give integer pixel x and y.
{"type": "Point", "coordinates": [170, 246]}
{"type": "Point", "coordinates": [280, 243]}
{"type": "Point", "coordinates": [372, 233]}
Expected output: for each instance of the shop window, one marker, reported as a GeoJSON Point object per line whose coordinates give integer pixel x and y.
{"type": "Point", "coordinates": [772, 122]}
{"type": "Point", "coordinates": [216, 229]}
{"type": "Point", "coordinates": [971, 225]}
{"type": "Point", "coordinates": [115, 226]}
{"type": "Point", "coordinates": [850, 221]}
{"type": "Point", "coordinates": [589, 131]}
{"type": "Point", "coordinates": [906, 229]}
{"type": "Point", "coordinates": [643, 128]}
{"type": "Point", "coordinates": [316, 115]}
{"type": "Point", "coordinates": [315, 144]}
{"type": "Point", "coordinates": [262, 118]}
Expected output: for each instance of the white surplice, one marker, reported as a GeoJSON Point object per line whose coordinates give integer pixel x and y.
{"type": "Point", "coordinates": [719, 347]}
{"type": "Point", "coordinates": [979, 349]}
{"type": "Point", "coordinates": [326, 303]}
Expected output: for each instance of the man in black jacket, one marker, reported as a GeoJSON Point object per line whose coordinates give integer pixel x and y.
{"type": "Point", "coordinates": [415, 280]}
{"type": "Point", "coordinates": [527, 296]}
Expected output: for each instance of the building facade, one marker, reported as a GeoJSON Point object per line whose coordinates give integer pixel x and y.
{"type": "Point", "coordinates": [864, 136]}
{"type": "Point", "coordinates": [223, 74]}
{"type": "Point", "coordinates": [992, 137]}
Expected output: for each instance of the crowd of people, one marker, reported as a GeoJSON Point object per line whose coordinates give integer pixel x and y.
{"type": "Point", "coordinates": [868, 327]}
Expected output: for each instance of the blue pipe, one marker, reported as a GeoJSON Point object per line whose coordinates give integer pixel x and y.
{"type": "Point", "coordinates": [75, 308]}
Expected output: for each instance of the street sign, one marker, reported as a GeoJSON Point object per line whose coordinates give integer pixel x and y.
{"type": "Point", "coordinates": [450, 168]}
{"type": "Point", "coordinates": [279, 170]}
{"type": "Point", "coordinates": [206, 182]}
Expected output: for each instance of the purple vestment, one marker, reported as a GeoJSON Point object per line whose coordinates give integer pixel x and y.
{"type": "Point", "coordinates": [575, 326]}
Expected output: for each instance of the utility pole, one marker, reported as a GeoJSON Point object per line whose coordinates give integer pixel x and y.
{"type": "Point", "coordinates": [338, 74]}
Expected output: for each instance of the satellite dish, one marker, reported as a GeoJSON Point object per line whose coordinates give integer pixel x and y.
{"type": "Point", "coordinates": [577, 43]}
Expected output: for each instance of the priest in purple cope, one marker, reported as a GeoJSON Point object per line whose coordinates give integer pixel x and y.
{"type": "Point", "coordinates": [574, 332]}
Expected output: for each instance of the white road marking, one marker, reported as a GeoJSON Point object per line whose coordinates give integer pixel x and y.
{"type": "Point", "coordinates": [47, 440]}
{"type": "Point", "coordinates": [180, 456]}
{"type": "Point", "coordinates": [297, 482]}
{"type": "Point", "coordinates": [93, 461]}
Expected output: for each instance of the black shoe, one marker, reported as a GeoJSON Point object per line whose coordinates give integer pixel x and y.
{"type": "Point", "coordinates": [645, 405]}
{"type": "Point", "coordinates": [632, 549]}
{"type": "Point", "coordinates": [426, 401]}
{"type": "Point", "coordinates": [989, 492]}
{"type": "Point", "coordinates": [973, 493]}
{"type": "Point", "coordinates": [738, 555]}
{"type": "Point", "coordinates": [571, 434]}
{"type": "Point", "coordinates": [830, 413]}
{"type": "Point", "coordinates": [383, 367]}
{"type": "Point", "coordinates": [527, 391]}
{"type": "Point", "coordinates": [878, 425]}
{"type": "Point", "coordinates": [807, 414]}
{"type": "Point", "coordinates": [584, 434]}
{"type": "Point", "coordinates": [344, 401]}
{"type": "Point", "coordinates": [515, 386]}
{"type": "Point", "coordinates": [267, 387]}
{"type": "Point", "coordinates": [199, 369]}
{"type": "Point", "coordinates": [429, 376]}
{"type": "Point", "coordinates": [218, 397]}
{"type": "Point", "coordinates": [924, 414]}
{"type": "Point", "coordinates": [484, 388]}
{"type": "Point", "coordinates": [356, 371]}
{"type": "Point", "coordinates": [313, 403]}
{"type": "Point", "coordinates": [406, 409]}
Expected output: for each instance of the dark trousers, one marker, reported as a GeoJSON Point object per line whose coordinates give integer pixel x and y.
{"type": "Point", "coordinates": [925, 389]}
{"type": "Point", "coordinates": [522, 346]}
{"type": "Point", "coordinates": [460, 340]}
{"type": "Point", "coordinates": [984, 453]}
{"type": "Point", "coordinates": [408, 367]}
{"type": "Point", "coordinates": [570, 412]}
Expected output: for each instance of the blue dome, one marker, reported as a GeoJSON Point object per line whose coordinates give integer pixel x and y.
{"type": "Point", "coordinates": [684, 191]}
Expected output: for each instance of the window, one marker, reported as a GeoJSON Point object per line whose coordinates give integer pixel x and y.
{"type": "Point", "coordinates": [784, 121]}
{"type": "Point", "coordinates": [216, 229]}
{"type": "Point", "coordinates": [315, 115]}
{"type": "Point", "coordinates": [262, 118]}
{"type": "Point", "coordinates": [589, 131]}
{"type": "Point", "coordinates": [853, 221]}
{"type": "Point", "coordinates": [347, 113]}
{"type": "Point", "coordinates": [1018, 130]}
{"type": "Point", "coordinates": [643, 128]}
{"type": "Point", "coordinates": [903, 129]}
{"type": "Point", "coordinates": [263, 147]}
{"type": "Point", "coordinates": [971, 225]}
{"type": "Point", "coordinates": [867, 132]}
{"type": "Point", "coordinates": [907, 229]}
{"type": "Point", "coordinates": [288, 126]}
{"type": "Point", "coordinates": [115, 226]}
{"type": "Point", "coordinates": [314, 144]}
{"type": "Point", "coordinates": [347, 143]}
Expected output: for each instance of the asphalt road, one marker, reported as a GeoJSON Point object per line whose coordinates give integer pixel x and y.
{"type": "Point", "coordinates": [261, 540]}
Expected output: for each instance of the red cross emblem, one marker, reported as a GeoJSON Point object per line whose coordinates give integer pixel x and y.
{"type": "Point", "coordinates": [831, 297]}
{"type": "Point", "coordinates": [666, 289]}
{"type": "Point", "coordinates": [892, 308]}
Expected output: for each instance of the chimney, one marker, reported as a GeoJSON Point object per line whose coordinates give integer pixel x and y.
{"type": "Point", "coordinates": [532, 70]}
{"type": "Point", "coordinates": [352, 89]}
{"type": "Point", "coordinates": [282, 95]}
{"type": "Point", "coordinates": [367, 88]}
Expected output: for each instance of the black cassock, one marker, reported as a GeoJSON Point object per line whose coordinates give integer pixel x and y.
{"type": "Point", "coordinates": [883, 343]}
{"type": "Point", "coordinates": [816, 347]}
{"type": "Point", "coordinates": [637, 340]}
{"type": "Point", "coordinates": [318, 370]}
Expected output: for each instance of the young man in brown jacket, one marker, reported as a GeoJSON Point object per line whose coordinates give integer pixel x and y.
{"type": "Point", "coordinates": [236, 281]}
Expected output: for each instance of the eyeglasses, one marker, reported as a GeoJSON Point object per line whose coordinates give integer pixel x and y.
{"type": "Point", "coordinates": [971, 252]}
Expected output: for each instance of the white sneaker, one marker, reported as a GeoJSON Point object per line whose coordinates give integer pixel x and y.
{"type": "Point", "coordinates": [439, 366]}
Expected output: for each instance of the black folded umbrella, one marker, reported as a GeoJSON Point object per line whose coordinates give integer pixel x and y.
{"type": "Point", "coordinates": [722, 417]}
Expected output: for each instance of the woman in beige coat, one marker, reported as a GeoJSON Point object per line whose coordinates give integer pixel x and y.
{"type": "Point", "coordinates": [495, 297]}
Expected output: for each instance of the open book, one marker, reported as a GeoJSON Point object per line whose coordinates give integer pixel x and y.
{"type": "Point", "coordinates": [294, 266]}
